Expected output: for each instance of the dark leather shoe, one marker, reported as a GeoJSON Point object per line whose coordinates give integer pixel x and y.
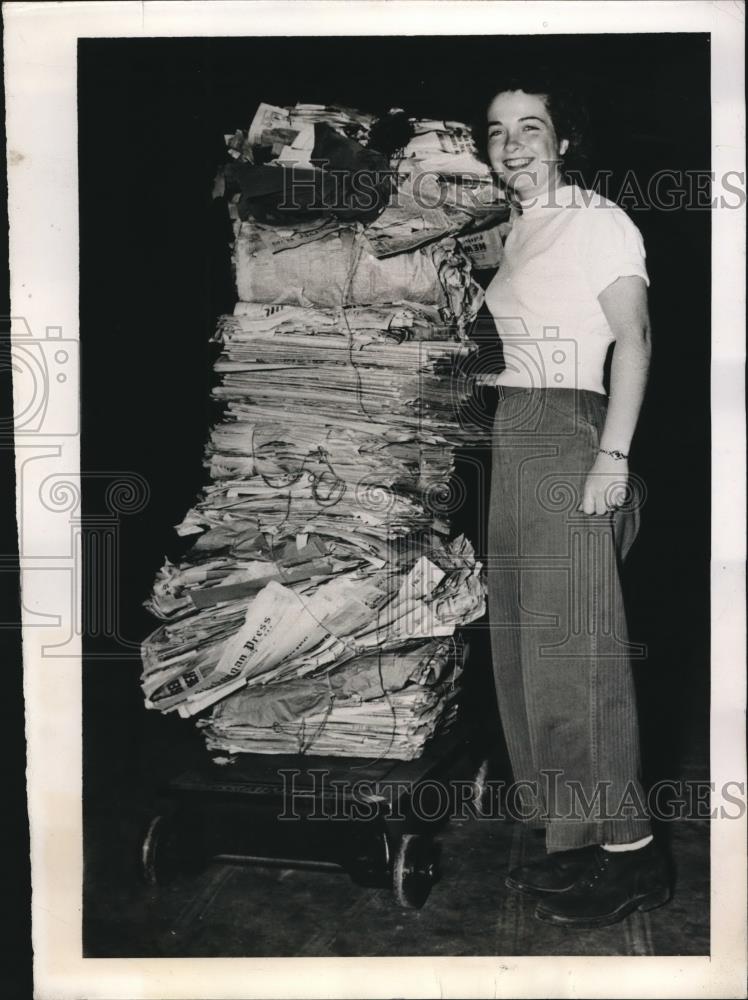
{"type": "Point", "coordinates": [555, 873]}
{"type": "Point", "coordinates": [615, 884]}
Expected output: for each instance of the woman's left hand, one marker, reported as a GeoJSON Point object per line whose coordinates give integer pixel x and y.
{"type": "Point", "coordinates": [606, 486]}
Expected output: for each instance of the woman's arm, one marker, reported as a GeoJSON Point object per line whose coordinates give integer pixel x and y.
{"type": "Point", "coordinates": [624, 303]}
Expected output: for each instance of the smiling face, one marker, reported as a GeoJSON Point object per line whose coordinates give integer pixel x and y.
{"type": "Point", "coordinates": [523, 147]}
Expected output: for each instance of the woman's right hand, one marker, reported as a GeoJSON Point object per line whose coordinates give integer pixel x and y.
{"type": "Point", "coordinates": [606, 485]}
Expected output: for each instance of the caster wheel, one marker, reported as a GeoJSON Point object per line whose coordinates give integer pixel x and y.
{"type": "Point", "coordinates": [481, 789]}
{"type": "Point", "coordinates": [415, 870]}
{"type": "Point", "coordinates": [369, 864]}
{"type": "Point", "coordinates": [170, 849]}
{"type": "Point", "coordinates": [154, 850]}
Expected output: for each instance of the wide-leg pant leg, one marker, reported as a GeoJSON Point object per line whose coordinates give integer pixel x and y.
{"type": "Point", "coordinates": [562, 659]}
{"type": "Point", "coordinates": [503, 576]}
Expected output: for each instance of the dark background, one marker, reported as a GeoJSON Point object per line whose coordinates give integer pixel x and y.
{"type": "Point", "coordinates": [154, 275]}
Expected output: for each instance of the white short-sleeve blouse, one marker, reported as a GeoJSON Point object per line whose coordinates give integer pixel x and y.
{"type": "Point", "coordinates": [565, 248]}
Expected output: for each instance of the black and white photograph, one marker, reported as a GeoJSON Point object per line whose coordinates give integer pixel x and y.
{"type": "Point", "coordinates": [379, 467]}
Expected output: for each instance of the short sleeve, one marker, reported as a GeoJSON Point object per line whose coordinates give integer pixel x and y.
{"type": "Point", "coordinates": [612, 246]}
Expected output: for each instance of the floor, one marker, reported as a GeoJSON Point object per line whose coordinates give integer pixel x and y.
{"type": "Point", "coordinates": [233, 910]}
{"type": "Point", "coordinates": [238, 910]}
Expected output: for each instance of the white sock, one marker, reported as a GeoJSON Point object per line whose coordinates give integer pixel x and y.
{"type": "Point", "coordinates": [635, 845]}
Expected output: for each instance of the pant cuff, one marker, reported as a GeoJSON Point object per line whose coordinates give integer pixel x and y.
{"type": "Point", "coordinates": [567, 835]}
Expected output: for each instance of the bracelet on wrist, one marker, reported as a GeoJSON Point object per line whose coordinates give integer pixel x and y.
{"type": "Point", "coordinates": [619, 456]}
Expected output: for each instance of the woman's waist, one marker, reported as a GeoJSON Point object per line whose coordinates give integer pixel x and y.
{"type": "Point", "coordinates": [536, 407]}
{"type": "Point", "coordinates": [554, 361]}
{"type": "Point", "coordinates": [534, 381]}
{"type": "Point", "coordinates": [506, 391]}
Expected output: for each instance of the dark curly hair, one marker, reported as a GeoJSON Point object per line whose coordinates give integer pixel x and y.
{"type": "Point", "coordinates": [565, 107]}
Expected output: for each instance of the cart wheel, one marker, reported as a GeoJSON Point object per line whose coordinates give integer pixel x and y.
{"type": "Point", "coordinates": [415, 870]}
{"type": "Point", "coordinates": [152, 850]}
{"type": "Point", "coordinates": [171, 848]}
{"type": "Point", "coordinates": [480, 787]}
{"type": "Point", "coordinates": [368, 865]}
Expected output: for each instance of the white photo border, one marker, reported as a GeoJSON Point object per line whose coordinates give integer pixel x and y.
{"type": "Point", "coordinates": [41, 73]}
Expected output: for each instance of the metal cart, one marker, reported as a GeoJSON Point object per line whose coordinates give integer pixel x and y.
{"type": "Point", "coordinates": [374, 819]}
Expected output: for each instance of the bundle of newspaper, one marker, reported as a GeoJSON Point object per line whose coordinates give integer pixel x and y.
{"type": "Point", "coordinates": [383, 704]}
{"type": "Point", "coordinates": [240, 636]}
{"type": "Point", "coordinates": [408, 391]}
{"type": "Point", "coordinates": [336, 270]}
{"type": "Point", "coordinates": [442, 189]}
{"type": "Point", "coordinates": [411, 181]}
{"type": "Point", "coordinates": [279, 130]}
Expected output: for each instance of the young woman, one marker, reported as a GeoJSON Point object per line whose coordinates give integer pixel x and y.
{"type": "Point", "coordinates": [564, 512]}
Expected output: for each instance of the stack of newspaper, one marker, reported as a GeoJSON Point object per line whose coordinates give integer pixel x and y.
{"type": "Point", "coordinates": [383, 704]}
{"type": "Point", "coordinates": [316, 606]}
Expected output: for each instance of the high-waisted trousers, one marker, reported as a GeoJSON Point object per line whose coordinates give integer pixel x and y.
{"type": "Point", "coordinates": [562, 658]}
